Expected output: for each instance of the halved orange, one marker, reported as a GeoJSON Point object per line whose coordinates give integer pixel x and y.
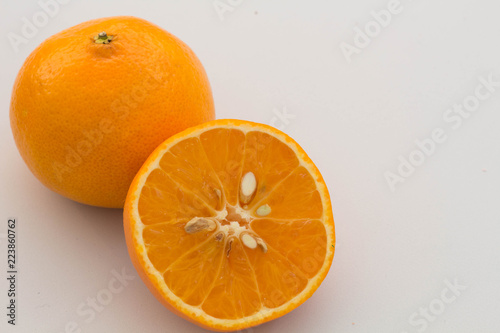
{"type": "Point", "coordinates": [230, 224]}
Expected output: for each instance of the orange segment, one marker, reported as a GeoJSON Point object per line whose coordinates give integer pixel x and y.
{"type": "Point", "coordinates": [269, 159]}
{"type": "Point", "coordinates": [279, 281]}
{"type": "Point", "coordinates": [295, 196]}
{"type": "Point", "coordinates": [191, 275]}
{"type": "Point", "coordinates": [162, 200]}
{"type": "Point", "coordinates": [166, 242]}
{"type": "Point", "coordinates": [224, 149]}
{"type": "Point", "coordinates": [187, 165]}
{"type": "Point", "coordinates": [234, 294]}
{"type": "Point", "coordinates": [303, 242]}
{"type": "Point", "coordinates": [230, 224]}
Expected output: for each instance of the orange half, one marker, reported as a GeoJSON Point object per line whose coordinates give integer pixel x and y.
{"type": "Point", "coordinates": [230, 224]}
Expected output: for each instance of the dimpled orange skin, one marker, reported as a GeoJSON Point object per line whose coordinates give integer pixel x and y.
{"type": "Point", "coordinates": [85, 116]}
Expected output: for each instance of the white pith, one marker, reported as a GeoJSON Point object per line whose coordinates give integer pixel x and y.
{"type": "Point", "coordinates": [226, 231]}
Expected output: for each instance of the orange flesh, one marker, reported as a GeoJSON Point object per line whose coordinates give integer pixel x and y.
{"type": "Point", "coordinates": [217, 250]}
{"type": "Point", "coordinates": [233, 281]}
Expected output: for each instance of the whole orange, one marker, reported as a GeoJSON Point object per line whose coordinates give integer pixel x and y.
{"type": "Point", "coordinates": [92, 102]}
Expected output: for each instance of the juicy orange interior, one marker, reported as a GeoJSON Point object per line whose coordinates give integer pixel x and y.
{"type": "Point", "coordinates": [215, 270]}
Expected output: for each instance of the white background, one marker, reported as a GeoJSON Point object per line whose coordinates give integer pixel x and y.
{"type": "Point", "coordinates": [396, 249]}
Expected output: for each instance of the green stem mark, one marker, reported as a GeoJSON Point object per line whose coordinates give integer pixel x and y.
{"type": "Point", "coordinates": [103, 38]}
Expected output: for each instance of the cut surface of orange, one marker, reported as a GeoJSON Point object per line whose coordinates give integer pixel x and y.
{"type": "Point", "coordinates": [230, 224]}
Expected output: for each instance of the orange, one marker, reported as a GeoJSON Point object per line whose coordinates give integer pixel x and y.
{"type": "Point", "coordinates": [230, 224]}
{"type": "Point", "coordinates": [92, 102]}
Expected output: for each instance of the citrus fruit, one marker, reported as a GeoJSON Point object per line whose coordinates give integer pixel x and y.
{"type": "Point", "coordinates": [230, 224]}
{"type": "Point", "coordinates": [92, 102]}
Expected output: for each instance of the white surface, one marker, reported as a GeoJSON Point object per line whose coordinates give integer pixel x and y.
{"type": "Point", "coordinates": [395, 250]}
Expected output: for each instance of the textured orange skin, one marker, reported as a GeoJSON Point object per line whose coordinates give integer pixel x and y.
{"type": "Point", "coordinates": [85, 116]}
{"type": "Point", "coordinates": [147, 277]}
